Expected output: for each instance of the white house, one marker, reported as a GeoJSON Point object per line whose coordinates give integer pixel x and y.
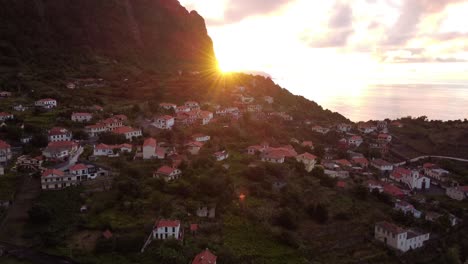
{"type": "Point", "coordinates": [109, 150]}
{"type": "Point", "coordinates": [182, 109]}
{"type": "Point", "coordinates": [273, 156]}
{"type": "Point", "coordinates": [382, 165]}
{"type": "Point", "coordinates": [201, 138]}
{"type": "Point", "coordinates": [5, 152]}
{"type": "Point", "coordinates": [94, 130]}
{"type": "Point", "coordinates": [81, 117]}
{"type": "Point", "coordinates": [355, 140]}
{"type": "Point", "coordinates": [367, 128]}
{"type": "Point", "coordinates": [168, 106]}
{"type": "Point", "coordinates": [205, 117]}
{"type": "Point", "coordinates": [343, 127]}
{"type": "Point", "coordinates": [129, 132]}
{"type": "Point", "coordinates": [398, 238]}
{"type": "Point", "coordinates": [59, 134]}
{"type": "Point", "coordinates": [56, 180]}
{"type": "Point", "coordinates": [167, 173]}
{"type": "Point", "coordinates": [407, 208]}
{"type": "Point", "coordinates": [320, 129]}
{"type": "Point", "coordinates": [221, 155]}
{"type": "Point", "coordinates": [85, 172]}
{"type": "Point", "coordinates": [5, 116]}
{"type": "Point", "coordinates": [164, 122]}
{"type": "Point", "coordinates": [417, 181]}
{"type": "Point", "coordinates": [46, 103]}
{"type": "Point", "coordinates": [435, 172]}
{"type": "Point", "coordinates": [268, 99]}
{"type": "Point", "coordinates": [20, 108]}
{"type": "Point", "coordinates": [308, 160]}
{"type": "Point", "coordinates": [60, 150]}
{"type": "Point", "coordinates": [457, 193]}
{"type": "Point", "coordinates": [149, 148]}
{"type": "Point", "coordinates": [192, 105]}
{"type": "Point", "coordinates": [166, 229]}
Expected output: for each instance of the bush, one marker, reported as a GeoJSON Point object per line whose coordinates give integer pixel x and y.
{"type": "Point", "coordinates": [286, 219]}
{"type": "Point", "coordinates": [319, 213]}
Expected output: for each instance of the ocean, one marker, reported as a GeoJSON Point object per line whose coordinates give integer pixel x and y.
{"type": "Point", "coordinates": [448, 101]}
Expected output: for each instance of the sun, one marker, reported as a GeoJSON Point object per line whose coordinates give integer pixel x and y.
{"type": "Point", "coordinates": [229, 62]}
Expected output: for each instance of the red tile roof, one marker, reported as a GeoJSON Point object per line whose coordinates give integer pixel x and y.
{"type": "Point", "coordinates": [123, 130]}
{"type": "Point", "coordinates": [399, 172]}
{"type": "Point", "coordinates": [392, 228]}
{"type": "Point", "coordinates": [62, 144]}
{"type": "Point", "coordinates": [49, 172]}
{"type": "Point", "coordinates": [166, 117]}
{"type": "Point", "coordinates": [205, 257]}
{"type": "Point", "coordinates": [307, 144]}
{"type": "Point", "coordinates": [150, 142]}
{"type": "Point", "coordinates": [166, 170]}
{"type": "Point", "coordinates": [82, 114]}
{"type": "Point", "coordinates": [341, 184]}
{"type": "Point", "coordinates": [193, 227]}
{"type": "Point", "coordinates": [167, 223]}
{"type": "Point", "coordinates": [4, 145]}
{"type": "Point", "coordinates": [308, 156]}
{"type": "Point", "coordinates": [360, 160]}
{"type": "Point", "coordinates": [5, 114]}
{"type": "Point", "coordinates": [107, 234]}
{"type": "Point", "coordinates": [194, 144]}
{"type": "Point", "coordinates": [58, 131]}
{"type": "Point", "coordinates": [343, 162]}
{"type": "Point", "coordinates": [393, 190]}
{"type": "Point", "coordinates": [79, 166]}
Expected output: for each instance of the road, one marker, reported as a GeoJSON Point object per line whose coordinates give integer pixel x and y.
{"type": "Point", "coordinates": [430, 156]}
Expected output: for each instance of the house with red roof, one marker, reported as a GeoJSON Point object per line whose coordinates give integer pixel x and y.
{"type": "Point", "coordinates": [416, 181]}
{"type": "Point", "coordinates": [81, 117]}
{"type": "Point", "coordinates": [341, 184]}
{"type": "Point", "coordinates": [205, 257]}
{"type": "Point", "coordinates": [308, 144]}
{"type": "Point", "coordinates": [52, 179]}
{"type": "Point", "coordinates": [167, 106]}
{"type": "Point", "coordinates": [308, 160]}
{"type": "Point", "coordinates": [273, 156]}
{"type": "Point", "coordinates": [194, 147]}
{"type": "Point", "coordinates": [205, 117]}
{"type": "Point", "coordinates": [129, 132]}
{"type": "Point", "coordinates": [167, 229]}
{"type": "Point", "coordinates": [384, 138]}
{"type": "Point", "coordinates": [399, 173]}
{"type": "Point", "coordinates": [360, 161]}
{"type": "Point", "coordinates": [399, 238]}
{"type": "Point", "coordinates": [5, 116]}
{"type": "Point", "coordinates": [459, 193]}
{"type": "Point", "coordinates": [367, 128]}
{"type": "Point", "coordinates": [221, 155]}
{"type": "Point", "coordinates": [85, 172]}
{"type": "Point", "coordinates": [343, 163]}
{"type": "Point", "coordinates": [182, 109]}
{"type": "Point", "coordinates": [47, 103]}
{"type": "Point", "coordinates": [96, 129]}
{"type": "Point", "coordinates": [396, 124]}
{"type": "Point", "coordinates": [167, 173]}
{"type": "Point", "coordinates": [59, 134]}
{"type": "Point", "coordinates": [355, 141]}
{"type": "Point", "coordinates": [393, 190]}
{"type": "Point", "coordinates": [110, 150]}
{"type": "Point", "coordinates": [192, 105]}
{"type": "Point", "coordinates": [164, 122]}
{"type": "Point", "coordinates": [435, 172]}
{"type": "Point", "coordinates": [60, 150]}
{"type": "Point", "coordinates": [149, 148]}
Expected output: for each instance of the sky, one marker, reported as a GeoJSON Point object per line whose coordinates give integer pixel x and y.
{"type": "Point", "coordinates": [340, 46]}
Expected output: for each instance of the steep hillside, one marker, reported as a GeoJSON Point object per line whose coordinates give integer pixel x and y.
{"type": "Point", "coordinates": [159, 32]}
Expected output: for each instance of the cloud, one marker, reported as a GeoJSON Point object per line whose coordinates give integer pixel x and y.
{"type": "Point", "coordinates": [411, 14]}
{"type": "Point", "coordinates": [340, 28]}
{"type": "Point", "coordinates": [237, 10]}
{"type": "Point", "coordinates": [425, 60]}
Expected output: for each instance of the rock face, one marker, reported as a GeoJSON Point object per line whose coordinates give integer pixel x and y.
{"type": "Point", "coordinates": [154, 31]}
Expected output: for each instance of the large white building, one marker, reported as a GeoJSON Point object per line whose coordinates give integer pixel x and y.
{"type": "Point", "coordinates": [47, 103]}
{"type": "Point", "coordinates": [417, 181]}
{"type": "Point", "coordinates": [165, 229]}
{"type": "Point", "coordinates": [399, 238]}
{"type": "Point", "coordinates": [164, 122]}
{"type": "Point", "coordinates": [59, 134]}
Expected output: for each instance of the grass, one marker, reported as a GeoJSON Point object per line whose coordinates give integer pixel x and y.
{"type": "Point", "coordinates": [249, 239]}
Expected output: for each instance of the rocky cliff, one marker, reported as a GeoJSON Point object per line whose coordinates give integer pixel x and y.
{"type": "Point", "coordinates": [160, 32]}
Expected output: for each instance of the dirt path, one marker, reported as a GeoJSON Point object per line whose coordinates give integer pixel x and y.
{"type": "Point", "coordinates": [11, 228]}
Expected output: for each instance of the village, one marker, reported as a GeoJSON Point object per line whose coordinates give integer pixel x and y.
{"type": "Point", "coordinates": [357, 156]}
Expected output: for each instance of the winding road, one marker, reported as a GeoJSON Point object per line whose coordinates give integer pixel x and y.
{"type": "Point", "coordinates": [430, 156]}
